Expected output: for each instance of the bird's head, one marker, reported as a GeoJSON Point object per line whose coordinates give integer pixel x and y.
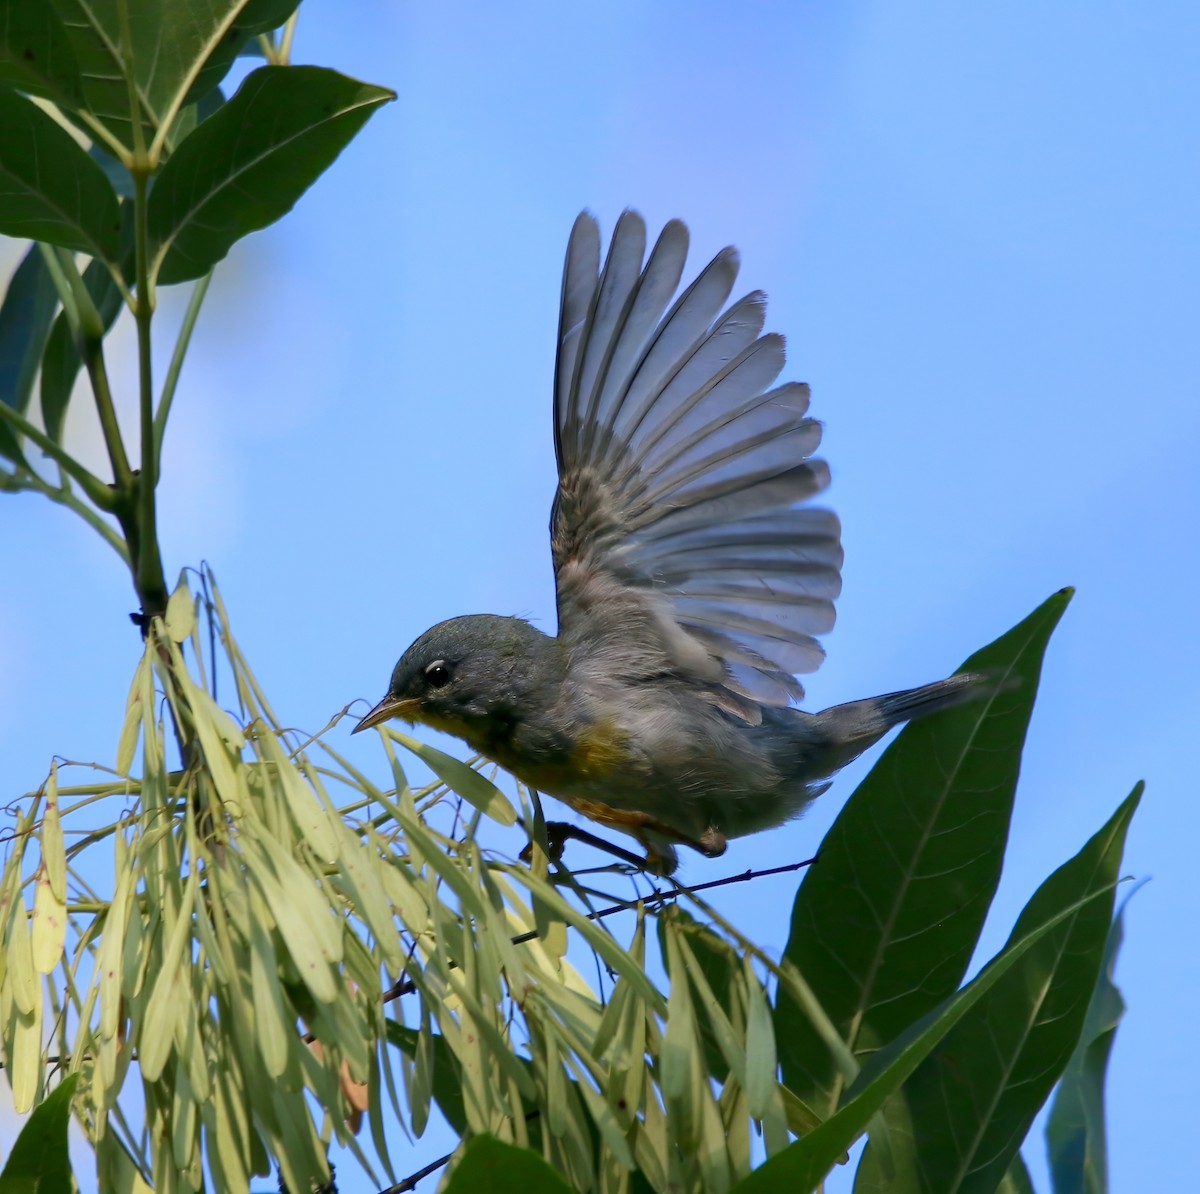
{"type": "Point", "coordinates": [473, 677]}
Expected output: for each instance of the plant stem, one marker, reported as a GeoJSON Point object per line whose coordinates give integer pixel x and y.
{"type": "Point", "coordinates": [148, 570]}
{"type": "Point", "coordinates": [172, 378]}
{"type": "Point", "coordinates": [100, 494]}
{"type": "Point", "coordinates": [87, 331]}
{"type": "Point", "coordinates": [92, 352]}
{"type": "Point", "coordinates": [29, 480]}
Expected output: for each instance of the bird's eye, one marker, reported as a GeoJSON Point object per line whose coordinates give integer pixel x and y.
{"type": "Point", "coordinates": [437, 674]}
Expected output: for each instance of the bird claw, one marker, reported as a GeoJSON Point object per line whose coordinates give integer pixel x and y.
{"type": "Point", "coordinates": [660, 858]}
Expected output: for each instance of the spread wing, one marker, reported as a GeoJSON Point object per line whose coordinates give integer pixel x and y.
{"type": "Point", "coordinates": [678, 535]}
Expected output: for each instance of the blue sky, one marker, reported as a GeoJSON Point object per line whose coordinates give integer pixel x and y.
{"type": "Point", "coordinates": [976, 225]}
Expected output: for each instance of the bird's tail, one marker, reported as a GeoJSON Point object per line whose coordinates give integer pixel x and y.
{"type": "Point", "coordinates": [849, 729]}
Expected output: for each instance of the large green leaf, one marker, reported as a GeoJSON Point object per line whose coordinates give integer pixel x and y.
{"type": "Point", "coordinates": [1017, 1179]}
{"type": "Point", "coordinates": [258, 16]}
{"type": "Point", "coordinates": [50, 189]}
{"type": "Point", "coordinates": [885, 923]}
{"type": "Point", "coordinates": [25, 315]}
{"type": "Point", "coordinates": [61, 361]}
{"type": "Point", "coordinates": [247, 165]}
{"type": "Point", "coordinates": [177, 49]}
{"type": "Point", "coordinates": [39, 1163]}
{"type": "Point", "coordinates": [1075, 1132]}
{"type": "Point", "coordinates": [491, 1167]}
{"type": "Point", "coordinates": [36, 53]}
{"type": "Point", "coordinates": [803, 1165]}
{"type": "Point", "coordinates": [94, 29]}
{"type": "Point", "coordinates": [970, 1105]}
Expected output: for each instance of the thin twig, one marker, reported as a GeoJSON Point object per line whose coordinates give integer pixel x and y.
{"type": "Point", "coordinates": [659, 898]}
{"type": "Point", "coordinates": [410, 1182]}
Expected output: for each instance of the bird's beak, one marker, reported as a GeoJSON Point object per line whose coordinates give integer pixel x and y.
{"type": "Point", "coordinates": [388, 708]}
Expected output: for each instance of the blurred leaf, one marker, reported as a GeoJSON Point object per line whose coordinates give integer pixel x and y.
{"type": "Point", "coordinates": [61, 361]}
{"type": "Point", "coordinates": [804, 1164]}
{"type": "Point", "coordinates": [39, 1162]}
{"type": "Point", "coordinates": [117, 174]}
{"type": "Point", "coordinates": [1016, 1180]}
{"type": "Point", "coordinates": [53, 850]}
{"type": "Point", "coordinates": [36, 53]}
{"type": "Point", "coordinates": [247, 165]}
{"type": "Point", "coordinates": [181, 613]}
{"type": "Point", "coordinates": [49, 924]}
{"type": "Point", "coordinates": [971, 1104]}
{"type": "Point", "coordinates": [1076, 1138]}
{"type": "Point", "coordinates": [762, 1069]}
{"type": "Point", "coordinates": [885, 923]}
{"type": "Point", "coordinates": [276, 1027]}
{"type": "Point", "coordinates": [491, 1167]}
{"type": "Point", "coordinates": [50, 189]}
{"type": "Point", "coordinates": [29, 305]}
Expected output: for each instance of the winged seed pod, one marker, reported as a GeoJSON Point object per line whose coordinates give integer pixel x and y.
{"type": "Point", "coordinates": [237, 973]}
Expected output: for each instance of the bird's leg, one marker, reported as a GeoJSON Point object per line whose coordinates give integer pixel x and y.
{"type": "Point", "coordinates": [558, 833]}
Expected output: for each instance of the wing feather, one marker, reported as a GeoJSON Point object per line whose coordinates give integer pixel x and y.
{"type": "Point", "coordinates": [679, 537]}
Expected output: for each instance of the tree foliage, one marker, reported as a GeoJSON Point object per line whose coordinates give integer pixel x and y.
{"type": "Point", "coordinates": [290, 953]}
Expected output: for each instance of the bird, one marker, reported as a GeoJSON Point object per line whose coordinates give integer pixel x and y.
{"type": "Point", "coordinates": [693, 574]}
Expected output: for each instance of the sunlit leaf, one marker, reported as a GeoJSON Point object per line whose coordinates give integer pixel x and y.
{"type": "Point", "coordinates": [49, 926]}
{"type": "Point", "coordinates": [247, 165]}
{"type": "Point", "coordinates": [761, 1066]}
{"type": "Point", "coordinates": [169, 992]}
{"type": "Point", "coordinates": [461, 779]}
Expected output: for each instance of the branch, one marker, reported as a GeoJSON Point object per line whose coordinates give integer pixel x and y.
{"type": "Point", "coordinates": [658, 898]}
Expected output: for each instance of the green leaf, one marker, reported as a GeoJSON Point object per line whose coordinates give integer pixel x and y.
{"type": "Point", "coordinates": [257, 17]}
{"type": "Point", "coordinates": [248, 164]}
{"type": "Point", "coordinates": [39, 1162]}
{"type": "Point", "coordinates": [885, 923]}
{"type": "Point", "coordinates": [804, 1164]}
{"type": "Point", "coordinates": [462, 780]}
{"type": "Point", "coordinates": [447, 1076]}
{"type": "Point", "coordinates": [1017, 1179]}
{"type": "Point", "coordinates": [50, 189]}
{"type": "Point", "coordinates": [25, 316]}
{"type": "Point", "coordinates": [94, 30]}
{"type": "Point", "coordinates": [716, 967]}
{"type": "Point", "coordinates": [36, 54]}
{"type": "Point", "coordinates": [1075, 1132]}
{"type": "Point", "coordinates": [61, 361]}
{"type": "Point", "coordinates": [971, 1105]}
{"type": "Point", "coordinates": [171, 44]}
{"type": "Point", "coordinates": [491, 1167]}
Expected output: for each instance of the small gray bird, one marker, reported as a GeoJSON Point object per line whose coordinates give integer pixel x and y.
{"type": "Point", "coordinates": [692, 576]}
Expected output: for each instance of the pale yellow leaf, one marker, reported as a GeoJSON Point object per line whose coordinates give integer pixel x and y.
{"type": "Point", "coordinates": [181, 613]}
